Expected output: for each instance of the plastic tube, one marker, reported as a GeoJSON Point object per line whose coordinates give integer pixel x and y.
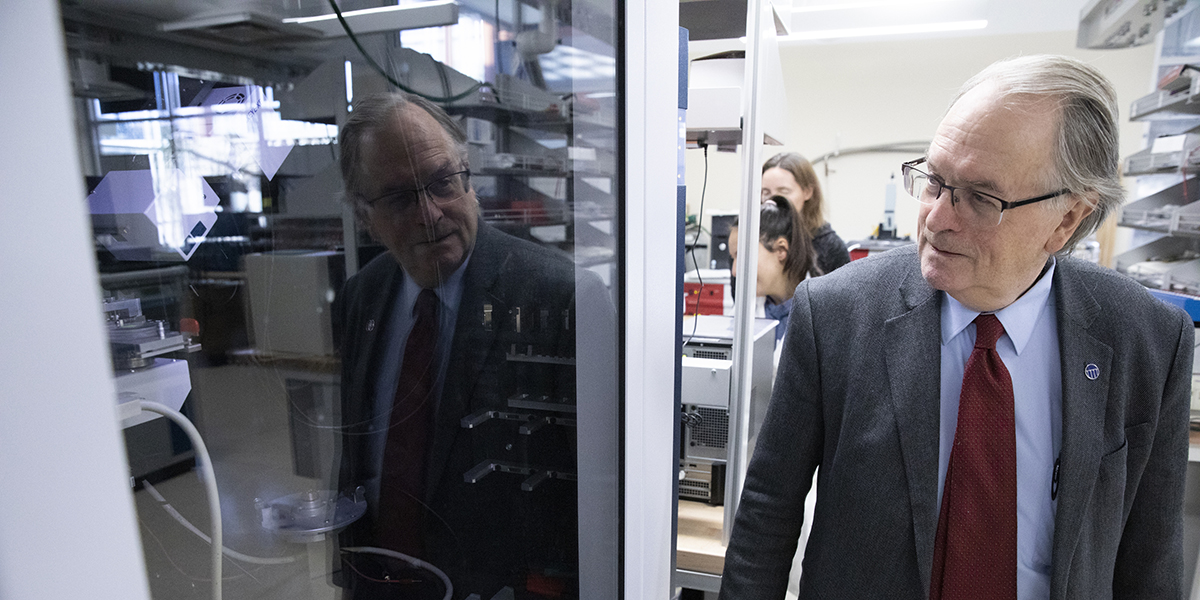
{"type": "Point", "coordinates": [234, 554]}
{"type": "Point", "coordinates": [210, 483]}
{"type": "Point", "coordinates": [416, 562]}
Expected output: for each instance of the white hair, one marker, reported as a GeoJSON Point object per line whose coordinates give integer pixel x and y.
{"type": "Point", "coordinates": [1086, 155]}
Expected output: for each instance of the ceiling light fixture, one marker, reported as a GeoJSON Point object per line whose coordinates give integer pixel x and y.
{"type": "Point", "coordinates": [384, 18]}
{"type": "Point", "coordinates": [867, 4]}
{"type": "Point", "coordinates": [828, 34]}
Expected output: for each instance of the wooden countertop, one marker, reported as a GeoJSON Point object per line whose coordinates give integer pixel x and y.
{"type": "Point", "coordinates": [698, 545]}
{"type": "Point", "coordinates": [300, 362]}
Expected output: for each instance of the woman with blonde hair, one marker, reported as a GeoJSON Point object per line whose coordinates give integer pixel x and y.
{"type": "Point", "coordinates": [790, 175]}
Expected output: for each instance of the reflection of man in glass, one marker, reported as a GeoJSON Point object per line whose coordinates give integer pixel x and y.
{"type": "Point", "coordinates": [458, 375]}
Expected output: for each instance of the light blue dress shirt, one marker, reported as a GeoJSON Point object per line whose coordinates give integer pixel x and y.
{"type": "Point", "coordinates": [400, 323]}
{"type": "Point", "coordinates": [1029, 349]}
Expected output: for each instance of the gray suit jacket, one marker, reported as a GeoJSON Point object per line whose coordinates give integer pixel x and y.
{"type": "Point", "coordinates": [488, 534]}
{"type": "Point", "coordinates": [858, 392]}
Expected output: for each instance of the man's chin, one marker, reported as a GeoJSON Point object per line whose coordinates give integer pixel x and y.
{"type": "Point", "coordinates": [937, 273]}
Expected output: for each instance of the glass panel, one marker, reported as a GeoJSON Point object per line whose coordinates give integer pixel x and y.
{"type": "Point", "coordinates": [400, 400]}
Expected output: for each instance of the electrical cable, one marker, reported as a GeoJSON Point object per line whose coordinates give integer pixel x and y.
{"type": "Point", "coordinates": [1186, 157]}
{"type": "Point", "coordinates": [699, 224]}
{"type": "Point", "coordinates": [415, 562]}
{"type": "Point", "coordinates": [210, 483]}
{"type": "Point", "coordinates": [234, 554]}
{"type": "Point", "coordinates": [379, 69]}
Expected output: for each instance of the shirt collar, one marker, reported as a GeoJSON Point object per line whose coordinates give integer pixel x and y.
{"type": "Point", "coordinates": [448, 293]}
{"type": "Point", "coordinates": [1018, 318]}
{"type": "Point", "coordinates": [777, 311]}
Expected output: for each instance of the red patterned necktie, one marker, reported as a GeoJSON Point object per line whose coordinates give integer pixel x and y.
{"type": "Point", "coordinates": [402, 481]}
{"type": "Point", "coordinates": [975, 551]}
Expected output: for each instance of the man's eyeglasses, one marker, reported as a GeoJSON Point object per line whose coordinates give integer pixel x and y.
{"type": "Point", "coordinates": [440, 191]}
{"type": "Point", "coordinates": [976, 208]}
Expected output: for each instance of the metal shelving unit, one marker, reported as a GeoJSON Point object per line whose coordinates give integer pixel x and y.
{"type": "Point", "coordinates": [1148, 162]}
{"type": "Point", "coordinates": [1168, 103]}
{"type": "Point", "coordinates": [1169, 217]}
{"type": "Point", "coordinates": [1173, 261]}
{"type": "Point", "coordinates": [1173, 211]}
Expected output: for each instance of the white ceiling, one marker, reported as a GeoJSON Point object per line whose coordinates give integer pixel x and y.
{"type": "Point", "coordinates": [1002, 16]}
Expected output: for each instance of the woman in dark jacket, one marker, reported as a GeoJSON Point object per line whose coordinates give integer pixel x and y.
{"type": "Point", "coordinates": [790, 175]}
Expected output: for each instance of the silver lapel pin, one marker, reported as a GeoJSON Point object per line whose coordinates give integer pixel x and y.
{"type": "Point", "coordinates": [371, 327]}
{"type": "Point", "coordinates": [1092, 371]}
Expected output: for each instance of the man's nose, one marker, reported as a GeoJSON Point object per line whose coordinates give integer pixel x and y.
{"type": "Point", "coordinates": [429, 209]}
{"type": "Point", "coordinates": [941, 214]}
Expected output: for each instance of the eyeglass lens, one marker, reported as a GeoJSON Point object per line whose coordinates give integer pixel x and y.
{"type": "Point", "coordinates": [443, 190]}
{"type": "Point", "coordinates": [971, 206]}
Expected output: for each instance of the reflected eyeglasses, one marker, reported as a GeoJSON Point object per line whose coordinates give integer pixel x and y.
{"type": "Point", "coordinates": [440, 191]}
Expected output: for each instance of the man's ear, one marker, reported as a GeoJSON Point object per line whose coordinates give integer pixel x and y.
{"type": "Point", "coordinates": [1080, 208]}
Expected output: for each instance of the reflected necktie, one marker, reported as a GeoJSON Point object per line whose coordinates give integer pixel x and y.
{"type": "Point", "coordinates": [402, 481]}
{"type": "Point", "coordinates": [975, 551]}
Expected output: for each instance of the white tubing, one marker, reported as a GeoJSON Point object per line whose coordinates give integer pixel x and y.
{"type": "Point", "coordinates": [416, 562]}
{"type": "Point", "coordinates": [234, 554]}
{"type": "Point", "coordinates": [210, 483]}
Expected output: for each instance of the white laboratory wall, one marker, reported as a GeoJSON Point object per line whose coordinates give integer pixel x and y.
{"type": "Point", "coordinates": [67, 524]}
{"type": "Point", "coordinates": [858, 94]}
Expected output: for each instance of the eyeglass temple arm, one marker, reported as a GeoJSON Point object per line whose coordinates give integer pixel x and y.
{"type": "Point", "coordinates": [1007, 205]}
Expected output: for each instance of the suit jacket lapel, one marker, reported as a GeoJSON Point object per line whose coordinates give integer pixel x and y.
{"type": "Point", "coordinates": [373, 321]}
{"type": "Point", "coordinates": [469, 351]}
{"type": "Point", "coordinates": [1083, 409]}
{"type": "Point", "coordinates": [360, 416]}
{"type": "Point", "coordinates": [915, 380]}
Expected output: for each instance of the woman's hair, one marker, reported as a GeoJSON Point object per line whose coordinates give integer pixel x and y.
{"type": "Point", "coordinates": [812, 214]}
{"type": "Point", "coordinates": [779, 220]}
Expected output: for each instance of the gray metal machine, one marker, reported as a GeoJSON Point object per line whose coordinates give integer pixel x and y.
{"type": "Point", "coordinates": [707, 359]}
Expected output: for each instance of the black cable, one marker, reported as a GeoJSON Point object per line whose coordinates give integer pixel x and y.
{"type": "Point", "coordinates": [379, 69]}
{"type": "Point", "coordinates": [444, 77]}
{"type": "Point", "coordinates": [699, 221]}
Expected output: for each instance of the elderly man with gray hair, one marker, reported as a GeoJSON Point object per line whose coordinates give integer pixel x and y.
{"type": "Point", "coordinates": [991, 417]}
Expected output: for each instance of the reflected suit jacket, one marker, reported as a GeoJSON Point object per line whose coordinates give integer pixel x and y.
{"type": "Point", "coordinates": [858, 394]}
{"type": "Point", "coordinates": [488, 534]}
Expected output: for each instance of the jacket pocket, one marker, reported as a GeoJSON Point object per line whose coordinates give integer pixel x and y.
{"type": "Point", "coordinates": [1139, 435]}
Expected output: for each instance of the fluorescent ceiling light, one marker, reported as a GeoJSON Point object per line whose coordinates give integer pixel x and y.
{"type": "Point", "coordinates": [827, 34]}
{"type": "Point", "coordinates": [865, 4]}
{"type": "Point", "coordinates": [384, 18]}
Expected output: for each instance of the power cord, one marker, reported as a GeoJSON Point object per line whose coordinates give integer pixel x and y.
{"type": "Point", "coordinates": [390, 79]}
{"type": "Point", "coordinates": [695, 263]}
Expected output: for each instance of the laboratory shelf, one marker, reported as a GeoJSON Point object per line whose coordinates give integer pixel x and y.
{"type": "Point", "coordinates": [1168, 263]}
{"type": "Point", "coordinates": [1168, 103]}
{"type": "Point", "coordinates": [1148, 162]}
{"type": "Point", "coordinates": [1173, 210]}
{"type": "Point", "coordinates": [1105, 24]}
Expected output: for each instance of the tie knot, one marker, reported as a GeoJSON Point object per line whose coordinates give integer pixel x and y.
{"type": "Point", "coordinates": [987, 331]}
{"type": "Point", "coordinates": [427, 304]}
